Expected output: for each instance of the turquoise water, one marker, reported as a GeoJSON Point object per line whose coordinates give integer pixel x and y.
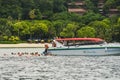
{"type": "Point", "coordinates": [60, 68]}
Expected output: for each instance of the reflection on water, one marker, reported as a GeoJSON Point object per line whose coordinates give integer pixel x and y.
{"type": "Point", "coordinates": [60, 68]}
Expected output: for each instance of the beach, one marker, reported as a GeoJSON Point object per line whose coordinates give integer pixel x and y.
{"type": "Point", "coordinates": [25, 45]}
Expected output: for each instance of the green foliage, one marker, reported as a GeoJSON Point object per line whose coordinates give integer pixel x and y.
{"type": "Point", "coordinates": [14, 38]}
{"type": "Point", "coordinates": [5, 28]}
{"type": "Point", "coordinates": [69, 31]}
{"type": "Point", "coordinates": [40, 29]}
{"type": "Point", "coordinates": [32, 14]}
{"type": "Point", "coordinates": [21, 28]}
{"type": "Point", "coordinates": [118, 21]}
{"type": "Point", "coordinates": [5, 38]}
{"type": "Point", "coordinates": [91, 16]}
{"type": "Point", "coordinates": [21, 9]}
{"type": "Point", "coordinates": [116, 34]}
{"type": "Point", "coordinates": [109, 4]}
{"type": "Point", "coordinates": [86, 31]}
{"type": "Point", "coordinates": [39, 19]}
{"type": "Point", "coordinates": [11, 42]}
{"type": "Point", "coordinates": [51, 29]}
{"type": "Point", "coordinates": [10, 8]}
{"type": "Point", "coordinates": [58, 6]}
{"type": "Point", "coordinates": [89, 5]}
{"type": "Point", "coordinates": [38, 14]}
{"type": "Point", "coordinates": [45, 7]}
{"type": "Point", "coordinates": [67, 16]}
{"type": "Point", "coordinates": [41, 26]}
{"type": "Point", "coordinates": [59, 25]}
{"type": "Point", "coordinates": [102, 29]}
{"type": "Point", "coordinates": [107, 21]}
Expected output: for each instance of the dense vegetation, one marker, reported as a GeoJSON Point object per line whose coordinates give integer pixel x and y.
{"type": "Point", "coordinates": [40, 19]}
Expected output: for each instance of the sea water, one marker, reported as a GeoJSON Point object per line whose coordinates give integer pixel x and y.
{"type": "Point", "coordinates": [20, 50]}
{"type": "Point", "coordinates": [60, 68]}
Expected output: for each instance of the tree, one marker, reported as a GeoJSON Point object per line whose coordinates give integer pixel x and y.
{"type": "Point", "coordinates": [59, 25]}
{"type": "Point", "coordinates": [22, 28]}
{"type": "Point", "coordinates": [60, 16]}
{"type": "Point", "coordinates": [109, 4]}
{"type": "Point", "coordinates": [51, 29]}
{"type": "Point", "coordinates": [32, 14]}
{"type": "Point", "coordinates": [35, 14]}
{"type": "Point", "coordinates": [91, 16]}
{"type": "Point", "coordinates": [39, 29]}
{"type": "Point", "coordinates": [27, 6]}
{"type": "Point", "coordinates": [38, 14]}
{"type": "Point", "coordinates": [102, 30]}
{"type": "Point", "coordinates": [5, 28]}
{"type": "Point", "coordinates": [59, 6]}
{"type": "Point", "coordinates": [67, 16]}
{"type": "Point", "coordinates": [112, 22]}
{"type": "Point", "coordinates": [45, 7]}
{"type": "Point", "coordinates": [10, 8]}
{"type": "Point", "coordinates": [116, 35]}
{"type": "Point", "coordinates": [89, 5]}
{"type": "Point", "coordinates": [69, 31]}
{"type": "Point", "coordinates": [86, 31]}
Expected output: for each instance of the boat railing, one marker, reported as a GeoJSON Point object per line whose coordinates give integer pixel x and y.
{"type": "Point", "coordinates": [84, 43]}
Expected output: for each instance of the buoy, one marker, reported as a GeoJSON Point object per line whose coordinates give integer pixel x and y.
{"type": "Point", "coordinates": [19, 54]}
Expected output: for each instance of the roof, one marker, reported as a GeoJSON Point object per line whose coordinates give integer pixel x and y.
{"type": "Point", "coordinates": [76, 3]}
{"type": "Point", "coordinates": [76, 10]}
{"type": "Point", "coordinates": [79, 39]}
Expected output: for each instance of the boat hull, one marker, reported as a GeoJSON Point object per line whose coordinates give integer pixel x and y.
{"type": "Point", "coordinates": [85, 51]}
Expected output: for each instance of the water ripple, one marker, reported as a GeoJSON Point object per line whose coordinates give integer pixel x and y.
{"type": "Point", "coordinates": [60, 68]}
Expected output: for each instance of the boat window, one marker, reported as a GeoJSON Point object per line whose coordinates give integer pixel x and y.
{"type": "Point", "coordinates": [78, 43]}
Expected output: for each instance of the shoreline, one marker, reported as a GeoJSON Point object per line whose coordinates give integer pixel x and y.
{"type": "Point", "coordinates": [24, 45]}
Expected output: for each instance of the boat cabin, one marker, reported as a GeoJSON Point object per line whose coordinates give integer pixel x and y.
{"type": "Point", "coordinates": [80, 41]}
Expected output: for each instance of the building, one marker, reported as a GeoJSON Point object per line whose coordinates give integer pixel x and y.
{"type": "Point", "coordinates": [78, 6]}
{"type": "Point", "coordinates": [100, 6]}
{"type": "Point", "coordinates": [113, 11]}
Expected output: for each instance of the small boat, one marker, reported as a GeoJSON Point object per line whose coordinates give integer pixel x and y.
{"type": "Point", "coordinates": [82, 47]}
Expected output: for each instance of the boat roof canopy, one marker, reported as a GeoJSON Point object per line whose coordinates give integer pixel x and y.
{"type": "Point", "coordinates": [79, 39]}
